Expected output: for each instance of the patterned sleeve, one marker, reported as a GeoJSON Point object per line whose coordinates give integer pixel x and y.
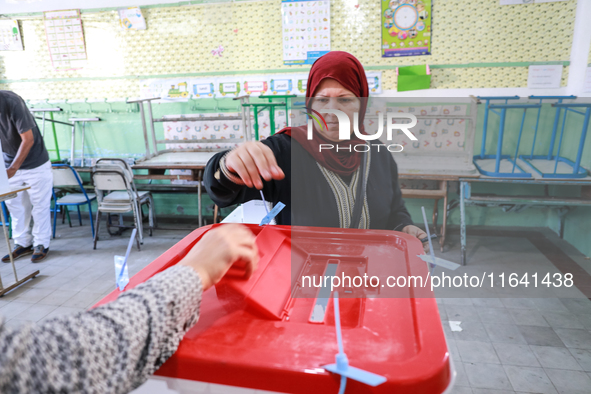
{"type": "Point", "coordinates": [109, 349]}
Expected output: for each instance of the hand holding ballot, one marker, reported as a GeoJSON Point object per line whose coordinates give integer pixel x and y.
{"type": "Point", "coordinates": [219, 249]}
{"type": "Point", "coordinates": [251, 161]}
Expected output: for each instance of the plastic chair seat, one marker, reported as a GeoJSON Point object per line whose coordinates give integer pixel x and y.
{"type": "Point", "coordinates": [121, 196]}
{"type": "Point", "coordinates": [75, 198]}
{"type": "Point", "coordinates": [115, 208]}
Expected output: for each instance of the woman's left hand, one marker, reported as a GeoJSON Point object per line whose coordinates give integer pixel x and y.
{"type": "Point", "coordinates": [417, 232]}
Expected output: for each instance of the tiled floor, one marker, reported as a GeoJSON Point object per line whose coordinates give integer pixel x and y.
{"type": "Point", "coordinates": [74, 276]}
{"type": "Point", "coordinates": [537, 344]}
{"type": "Point", "coordinates": [535, 341]}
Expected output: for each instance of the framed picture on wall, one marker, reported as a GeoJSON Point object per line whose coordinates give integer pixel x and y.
{"type": "Point", "coordinates": [406, 28]}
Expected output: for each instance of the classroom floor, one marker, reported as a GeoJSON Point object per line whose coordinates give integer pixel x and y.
{"type": "Point", "coordinates": [539, 342]}
{"type": "Point", "coordinates": [74, 277]}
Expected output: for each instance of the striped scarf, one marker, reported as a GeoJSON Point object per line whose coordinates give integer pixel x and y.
{"type": "Point", "coordinates": [345, 194]}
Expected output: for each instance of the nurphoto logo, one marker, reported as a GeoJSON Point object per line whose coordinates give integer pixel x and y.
{"type": "Point", "coordinates": [345, 129]}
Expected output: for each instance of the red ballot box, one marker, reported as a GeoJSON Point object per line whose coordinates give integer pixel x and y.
{"type": "Point", "coordinates": [276, 330]}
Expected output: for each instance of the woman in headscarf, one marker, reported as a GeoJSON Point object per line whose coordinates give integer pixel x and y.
{"type": "Point", "coordinates": [318, 186]}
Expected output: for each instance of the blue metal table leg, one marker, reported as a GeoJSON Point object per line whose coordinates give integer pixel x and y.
{"type": "Point", "coordinates": [560, 141]}
{"type": "Point", "coordinates": [533, 145]}
{"type": "Point", "coordinates": [582, 141]}
{"type": "Point", "coordinates": [519, 140]}
{"type": "Point", "coordinates": [554, 131]}
{"type": "Point", "coordinates": [462, 223]}
{"type": "Point", "coordinates": [500, 141]}
{"type": "Point", "coordinates": [484, 130]}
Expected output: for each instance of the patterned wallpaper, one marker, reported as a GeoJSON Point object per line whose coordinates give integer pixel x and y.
{"type": "Point", "coordinates": [180, 40]}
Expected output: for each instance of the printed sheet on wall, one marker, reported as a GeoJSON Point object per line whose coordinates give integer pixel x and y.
{"type": "Point", "coordinates": [185, 88]}
{"type": "Point", "coordinates": [10, 36]}
{"type": "Point", "coordinates": [406, 28]}
{"type": "Point", "coordinates": [306, 30]}
{"type": "Point", "coordinates": [65, 39]}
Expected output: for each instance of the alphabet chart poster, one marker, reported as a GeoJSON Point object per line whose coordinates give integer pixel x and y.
{"type": "Point", "coordinates": [10, 36]}
{"type": "Point", "coordinates": [65, 39]}
{"type": "Point", "coordinates": [306, 30]}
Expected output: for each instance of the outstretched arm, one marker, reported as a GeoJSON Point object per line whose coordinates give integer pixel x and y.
{"type": "Point", "coordinates": [115, 347]}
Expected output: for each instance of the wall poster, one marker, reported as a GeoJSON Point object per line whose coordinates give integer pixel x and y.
{"type": "Point", "coordinates": [65, 39]}
{"type": "Point", "coordinates": [406, 28]}
{"type": "Point", "coordinates": [306, 30]}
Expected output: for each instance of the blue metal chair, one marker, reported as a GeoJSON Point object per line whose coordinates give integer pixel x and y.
{"type": "Point", "coordinates": [8, 220]}
{"type": "Point", "coordinates": [546, 165]}
{"type": "Point", "coordinates": [66, 176]}
{"type": "Point", "coordinates": [569, 169]}
{"type": "Point", "coordinates": [500, 158]}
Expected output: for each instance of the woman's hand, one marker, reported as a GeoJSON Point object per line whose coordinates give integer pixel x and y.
{"type": "Point", "coordinates": [253, 160]}
{"type": "Point", "coordinates": [417, 232]}
{"type": "Point", "coordinates": [219, 248]}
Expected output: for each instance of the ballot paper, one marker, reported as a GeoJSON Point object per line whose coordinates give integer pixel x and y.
{"type": "Point", "coordinates": [250, 212]}
{"type": "Point", "coordinates": [254, 211]}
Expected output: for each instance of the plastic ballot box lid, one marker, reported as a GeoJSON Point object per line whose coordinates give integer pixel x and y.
{"type": "Point", "coordinates": [276, 330]}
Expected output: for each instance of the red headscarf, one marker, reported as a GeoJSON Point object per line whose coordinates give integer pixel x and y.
{"type": "Point", "coordinates": [348, 71]}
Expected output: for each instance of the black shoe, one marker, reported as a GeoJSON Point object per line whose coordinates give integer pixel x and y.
{"type": "Point", "coordinates": [39, 254]}
{"type": "Point", "coordinates": [17, 252]}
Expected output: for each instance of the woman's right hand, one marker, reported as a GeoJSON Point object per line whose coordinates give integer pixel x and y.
{"type": "Point", "coordinates": [253, 160]}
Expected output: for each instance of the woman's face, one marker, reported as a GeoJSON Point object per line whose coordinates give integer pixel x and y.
{"type": "Point", "coordinates": [330, 94]}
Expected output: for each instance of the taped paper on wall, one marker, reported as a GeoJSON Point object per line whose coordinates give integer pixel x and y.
{"type": "Point", "coordinates": [65, 39]}
{"type": "Point", "coordinates": [132, 19]}
{"type": "Point", "coordinates": [544, 76]}
{"type": "Point", "coordinates": [10, 36]}
{"type": "Point", "coordinates": [374, 81]}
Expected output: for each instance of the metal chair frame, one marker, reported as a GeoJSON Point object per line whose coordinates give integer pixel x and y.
{"type": "Point", "coordinates": [76, 204]}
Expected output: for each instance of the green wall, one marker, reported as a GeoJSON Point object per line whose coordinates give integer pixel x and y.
{"type": "Point", "coordinates": [119, 134]}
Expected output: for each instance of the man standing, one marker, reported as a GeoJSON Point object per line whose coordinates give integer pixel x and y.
{"type": "Point", "coordinates": [27, 162]}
